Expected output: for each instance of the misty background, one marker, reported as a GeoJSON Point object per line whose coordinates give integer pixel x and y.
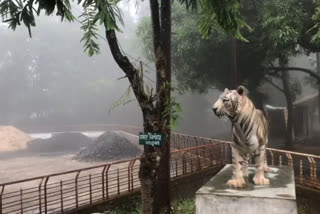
{"type": "Point", "coordinates": [48, 80]}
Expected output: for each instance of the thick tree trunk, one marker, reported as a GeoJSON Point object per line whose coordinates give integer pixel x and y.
{"type": "Point", "coordinates": [154, 171]}
{"type": "Point", "coordinates": [149, 163]}
{"type": "Point", "coordinates": [163, 66]}
{"type": "Point", "coordinates": [318, 72]}
{"type": "Point", "coordinates": [233, 47]}
{"type": "Point", "coordinates": [287, 93]}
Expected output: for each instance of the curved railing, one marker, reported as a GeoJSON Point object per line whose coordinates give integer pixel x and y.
{"type": "Point", "coordinates": [75, 189]}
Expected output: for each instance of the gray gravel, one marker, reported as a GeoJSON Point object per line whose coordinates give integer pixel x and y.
{"type": "Point", "coordinates": [110, 146]}
{"type": "Point", "coordinates": [64, 142]}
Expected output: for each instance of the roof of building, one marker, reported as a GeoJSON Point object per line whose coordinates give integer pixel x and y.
{"type": "Point", "coordinates": [305, 100]}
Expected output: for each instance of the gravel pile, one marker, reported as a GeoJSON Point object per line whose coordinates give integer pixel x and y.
{"type": "Point", "coordinates": [110, 146]}
{"type": "Point", "coordinates": [65, 142]}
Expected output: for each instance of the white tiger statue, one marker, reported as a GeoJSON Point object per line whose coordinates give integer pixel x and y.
{"type": "Point", "coordinates": [249, 135]}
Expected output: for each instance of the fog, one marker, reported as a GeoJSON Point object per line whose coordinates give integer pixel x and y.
{"type": "Point", "coordinates": [48, 80]}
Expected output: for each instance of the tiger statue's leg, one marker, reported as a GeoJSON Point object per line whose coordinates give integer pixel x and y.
{"type": "Point", "coordinates": [260, 159]}
{"type": "Point", "coordinates": [245, 165]}
{"type": "Point", "coordinates": [266, 167]}
{"type": "Point", "coordinates": [237, 177]}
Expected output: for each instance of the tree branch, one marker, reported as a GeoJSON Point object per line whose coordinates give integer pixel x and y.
{"type": "Point", "coordinates": [307, 71]}
{"type": "Point", "coordinates": [131, 72]}
{"type": "Point", "coordinates": [274, 85]}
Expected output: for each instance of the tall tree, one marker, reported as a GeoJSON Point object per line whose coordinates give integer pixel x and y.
{"type": "Point", "coordinates": [156, 107]}
{"type": "Point", "coordinates": [204, 62]}
{"type": "Point", "coordinates": [200, 64]}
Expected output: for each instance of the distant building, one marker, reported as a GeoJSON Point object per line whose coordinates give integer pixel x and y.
{"type": "Point", "coordinates": [306, 116]}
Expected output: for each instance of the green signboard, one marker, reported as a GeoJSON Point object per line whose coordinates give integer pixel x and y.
{"type": "Point", "coordinates": [151, 139]}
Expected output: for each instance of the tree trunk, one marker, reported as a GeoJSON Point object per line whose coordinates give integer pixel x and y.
{"type": "Point", "coordinates": [154, 171]}
{"type": "Point", "coordinates": [233, 45]}
{"type": "Point", "coordinates": [163, 67]}
{"type": "Point", "coordinates": [161, 25]}
{"type": "Point", "coordinates": [318, 72]}
{"type": "Point", "coordinates": [287, 93]}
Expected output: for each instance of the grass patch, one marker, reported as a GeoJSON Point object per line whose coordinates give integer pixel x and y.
{"type": "Point", "coordinates": [133, 206]}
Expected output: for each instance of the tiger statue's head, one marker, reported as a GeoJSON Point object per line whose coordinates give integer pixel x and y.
{"type": "Point", "coordinates": [229, 102]}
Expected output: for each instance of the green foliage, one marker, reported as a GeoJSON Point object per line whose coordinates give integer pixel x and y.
{"type": "Point", "coordinates": [200, 64]}
{"type": "Point", "coordinates": [104, 11]}
{"type": "Point", "coordinates": [15, 11]}
{"type": "Point", "coordinates": [90, 31]}
{"type": "Point", "coordinates": [193, 4]}
{"type": "Point", "coordinates": [283, 23]}
{"type": "Point", "coordinates": [224, 15]}
{"type": "Point", "coordinates": [107, 13]}
{"type": "Point", "coordinates": [185, 206]}
{"type": "Point", "coordinates": [132, 205]}
{"type": "Point", "coordinates": [174, 109]}
{"type": "Point", "coordinates": [316, 18]}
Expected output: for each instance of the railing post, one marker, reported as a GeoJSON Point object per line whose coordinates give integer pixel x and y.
{"type": "Point", "coordinates": [272, 157]}
{"type": "Point", "coordinates": [183, 142]}
{"type": "Point", "coordinates": [301, 172]}
{"type": "Point", "coordinates": [61, 196]}
{"type": "Point", "coordinates": [199, 160]}
{"type": "Point", "coordinates": [107, 180]}
{"type": "Point", "coordinates": [290, 159]}
{"type": "Point", "coordinates": [1, 194]}
{"type": "Point", "coordinates": [312, 168]}
{"type": "Point", "coordinates": [222, 153]}
{"type": "Point", "coordinates": [90, 189]}
{"type": "Point", "coordinates": [21, 201]}
{"type": "Point", "coordinates": [102, 178]}
{"type": "Point", "coordinates": [76, 188]}
{"type": "Point", "coordinates": [191, 162]}
{"type": "Point", "coordinates": [39, 190]}
{"type": "Point", "coordinates": [315, 170]}
{"type": "Point", "coordinates": [196, 140]}
{"type": "Point", "coordinates": [118, 181]}
{"type": "Point", "coordinates": [131, 174]}
{"type": "Point", "coordinates": [184, 163]}
{"type": "Point", "coordinates": [45, 195]}
{"type": "Point", "coordinates": [176, 168]}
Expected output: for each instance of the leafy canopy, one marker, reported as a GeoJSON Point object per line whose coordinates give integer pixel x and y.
{"type": "Point", "coordinates": [199, 63]}
{"type": "Point", "coordinates": [283, 23]}
{"type": "Point", "coordinates": [94, 11]}
{"type": "Point", "coordinates": [224, 14]}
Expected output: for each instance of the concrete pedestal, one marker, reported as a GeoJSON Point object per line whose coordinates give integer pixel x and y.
{"type": "Point", "coordinates": [215, 197]}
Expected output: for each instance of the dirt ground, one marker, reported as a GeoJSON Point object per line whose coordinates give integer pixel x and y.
{"type": "Point", "coordinates": [16, 168]}
{"type": "Point", "coordinates": [19, 165]}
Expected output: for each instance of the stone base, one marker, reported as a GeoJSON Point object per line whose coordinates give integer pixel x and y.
{"type": "Point", "coordinates": [277, 198]}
